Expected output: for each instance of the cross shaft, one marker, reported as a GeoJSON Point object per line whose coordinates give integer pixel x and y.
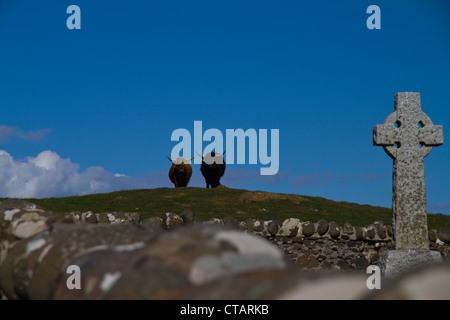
{"type": "Point", "coordinates": [408, 135]}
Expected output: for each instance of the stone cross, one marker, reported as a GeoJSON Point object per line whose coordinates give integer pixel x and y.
{"type": "Point", "coordinates": [408, 135]}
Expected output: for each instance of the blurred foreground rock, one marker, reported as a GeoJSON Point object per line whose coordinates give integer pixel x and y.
{"type": "Point", "coordinates": [179, 257]}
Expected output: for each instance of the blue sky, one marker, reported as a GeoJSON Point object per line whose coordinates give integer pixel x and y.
{"type": "Point", "coordinates": [93, 110]}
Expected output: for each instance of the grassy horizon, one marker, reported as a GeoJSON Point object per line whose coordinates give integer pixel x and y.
{"type": "Point", "coordinates": [222, 202]}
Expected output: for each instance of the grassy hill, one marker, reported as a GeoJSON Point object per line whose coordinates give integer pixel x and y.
{"type": "Point", "coordinates": [221, 202]}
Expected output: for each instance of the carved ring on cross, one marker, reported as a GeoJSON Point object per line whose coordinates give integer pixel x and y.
{"type": "Point", "coordinates": [392, 121]}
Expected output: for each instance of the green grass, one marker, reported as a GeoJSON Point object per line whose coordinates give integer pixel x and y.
{"type": "Point", "coordinates": [221, 202]}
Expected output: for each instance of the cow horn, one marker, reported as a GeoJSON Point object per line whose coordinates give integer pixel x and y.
{"type": "Point", "coordinates": [199, 154]}
{"type": "Point", "coordinates": [191, 158]}
{"type": "Point", "coordinates": [169, 159]}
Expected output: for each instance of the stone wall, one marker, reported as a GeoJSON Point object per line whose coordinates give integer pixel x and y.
{"type": "Point", "coordinates": [327, 245]}
{"type": "Point", "coordinates": [317, 245]}
{"type": "Point", "coordinates": [177, 256]}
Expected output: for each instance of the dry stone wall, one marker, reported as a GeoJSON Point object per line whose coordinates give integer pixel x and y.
{"type": "Point", "coordinates": [177, 256]}
{"type": "Point", "coordinates": [316, 245]}
{"type": "Point", "coordinates": [327, 245]}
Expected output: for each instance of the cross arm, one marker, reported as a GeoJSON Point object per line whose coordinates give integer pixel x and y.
{"type": "Point", "coordinates": [384, 135]}
{"type": "Point", "coordinates": [432, 135]}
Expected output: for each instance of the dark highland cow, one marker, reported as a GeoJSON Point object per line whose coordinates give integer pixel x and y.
{"type": "Point", "coordinates": [180, 172]}
{"type": "Point", "coordinates": [213, 168]}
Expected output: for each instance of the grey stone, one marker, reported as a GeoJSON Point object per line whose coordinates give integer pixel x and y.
{"type": "Point", "coordinates": [310, 244]}
{"type": "Point", "coordinates": [11, 204]}
{"type": "Point", "coordinates": [378, 223]}
{"type": "Point", "coordinates": [361, 263]}
{"type": "Point", "coordinates": [89, 217]}
{"type": "Point", "coordinates": [335, 230]}
{"type": "Point", "coordinates": [242, 226]}
{"type": "Point", "coordinates": [347, 228]}
{"type": "Point", "coordinates": [343, 265]}
{"type": "Point", "coordinates": [120, 217]}
{"type": "Point", "coordinates": [394, 263]}
{"type": "Point", "coordinates": [374, 257]}
{"type": "Point", "coordinates": [360, 233]}
{"type": "Point", "coordinates": [214, 221]}
{"type": "Point", "coordinates": [171, 221]}
{"type": "Point", "coordinates": [100, 270]}
{"type": "Point", "coordinates": [432, 235]}
{"type": "Point", "coordinates": [352, 244]}
{"type": "Point", "coordinates": [327, 251]}
{"type": "Point", "coordinates": [290, 227]}
{"type": "Point", "coordinates": [20, 219]}
{"type": "Point", "coordinates": [249, 225]}
{"type": "Point", "coordinates": [17, 268]}
{"type": "Point", "coordinates": [258, 225]}
{"type": "Point", "coordinates": [153, 221]}
{"type": "Point", "coordinates": [322, 227]}
{"type": "Point", "coordinates": [408, 135]}
{"type": "Point", "coordinates": [230, 223]}
{"type": "Point", "coordinates": [76, 215]}
{"type": "Point", "coordinates": [308, 228]}
{"type": "Point", "coordinates": [197, 220]}
{"type": "Point", "coordinates": [70, 240]}
{"type": "Point", "coordinates": [102, 218]}
{"type": "Point", "coordinates": [307, 262]}
{"type": "Point", "coordinates": [380, 229]}
{"type": "Point", "coordinates": [371, 232]}
{"type": "Point", "coordinates": [389, 231]}
{"type": "Point", "coordinates": [195, 255]}
{"type": "Point", "coordinates": [62, 217]}
{"type": "Point", "coordinates": [29, 224]}
{"type": "Point", "coordinates": [273, 226]}
{"type": "Point", "coordinates": [187, 216]}
{"type": "Point", "coordinates": [444, 236]}
{"type": "Point", "coordinates": [249, 286]}
{"type": "Point", "coordinates": [429, 283]}
{"type": "Point", "coordinates": [149, 281]}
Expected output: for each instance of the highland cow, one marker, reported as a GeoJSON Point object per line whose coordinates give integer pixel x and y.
{"type": "Point", "coordinates": [180, 172]}
{"type": "Point", "coordinates": [212, 168]}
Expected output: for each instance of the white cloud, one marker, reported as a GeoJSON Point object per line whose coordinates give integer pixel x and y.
{"type": "Point", "coordinates": [7, 132]}
{"type": "Point", "coordinates": [49, 175]}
